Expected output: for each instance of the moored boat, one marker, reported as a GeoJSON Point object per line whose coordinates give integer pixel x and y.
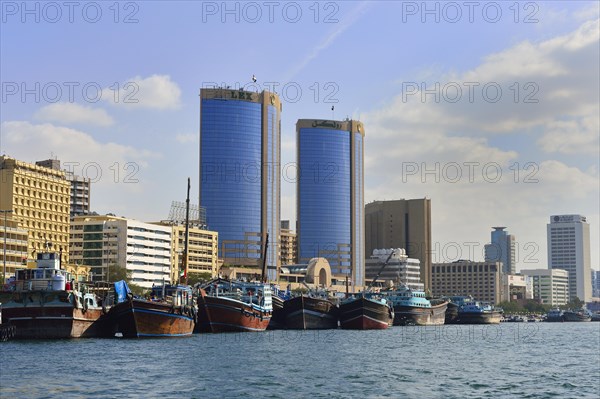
{"type": "Point", "coordinates": [554, 315]}
{"type": "Point", "coordinates": [577, 315]}
{"type": "Point", "coordinates": [411, 307]}
{"type": "Point", "coordinates": [170, 314]}
{"type": "Point", "coordinates": [451, 313]}
{"type": "Point", "coordinates": [474, 312]}
{"type": "Point", "coordinates": [306, 312]}
{"type": "Point", "coordinates": [278, 298]}
{"type": "Point", "coordinates": [363, 313]}
{"type": "Point", "coordinates": [47, 303]}
{"type": "Point", "coordinates": [234, 306]}
{"type": "Point", "coordinates": [7, 331]}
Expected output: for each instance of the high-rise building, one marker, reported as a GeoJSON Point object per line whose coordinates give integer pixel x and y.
{"type": "Point", "coordinates": [569, 249]}
{"type": "Point", "coordinates": [106, 241]}
{"type": "Point", "coordinates": [330, 195]}
{"type": "Point", "coordinates": [288, 244]}
{"type": "Point", "coordinates": [502, 249]}
{"type": "Point", "coordinates": [482, 280]}
{"type": "Point", "coordinates": [401, 224]}
{"type": "Point", "coordinates": [240, 152]}
{"type": "Point", "coordinates": [550, 286]}
{"type": "Point", "coordinates": [39, 200]}
{"type": "Point", "coordinates": [80, 188]}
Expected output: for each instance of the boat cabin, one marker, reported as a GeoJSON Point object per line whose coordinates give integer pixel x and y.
{"type": "Point", "coordinates": [178, 295]}
{"type": "Point", "coordinates": [46, 276]}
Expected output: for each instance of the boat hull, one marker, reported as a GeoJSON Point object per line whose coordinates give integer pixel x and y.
{"type": "Point", "coordinates": [451, 313]}
{"type": "Point", "coordinates": [137, 318]}
{"type": "Point", "coordinates": [278, 318]}
{"type": "Point", "coordinates": [306, 313]}
{"type": "Point", "coordinates": [418, 316]}
{"type": "Point", "coordinates": [554, 319]}
{"type": "Point", "coordinates": [478, 318]}
{"type": "Point", "coordinates": [365, 314]}
{"type": "Point", "coordinates": [222, 314]}
{"type": "Point", "coordinates": [576, 316]}
{"type": "Point", "coordinates": [49, 315]}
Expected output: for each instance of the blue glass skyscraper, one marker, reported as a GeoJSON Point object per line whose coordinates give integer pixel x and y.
{"type": "Point", "coordinates": [330, 197]}
{"type": "Point", "coordinates": [240, 152]}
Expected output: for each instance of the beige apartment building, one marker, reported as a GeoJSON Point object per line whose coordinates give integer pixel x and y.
{"type": "Point", "coordinates": [202, 250]}
{"type": "Point", "coordinates": [401, 224]}
{"type": "Point", "coordinates": [80, 188]}
{"type": "Point", "coordinates": [39, 200]}
{"type": "Point", "coordinates": [288, 244]}
{"type": "Point", "coordinates": [16, 245]}
{"type": "Point", "coordinates": [482, 280]}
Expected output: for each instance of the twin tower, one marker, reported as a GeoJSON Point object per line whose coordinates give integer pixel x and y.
{"type": "Point", "coordinates": [240, 182]}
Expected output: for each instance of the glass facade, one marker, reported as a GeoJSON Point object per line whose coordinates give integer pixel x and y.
{"type": "Point", "coordinates": [239, 173]}
{"type": "Point", "coordinates": [231, 175]}
{"type": "Point", "coordinates": [359, 209]}
{"type": "Point", "coordinates": [273, 189]}
{"type": "Point", "coordinates": [324, 197]}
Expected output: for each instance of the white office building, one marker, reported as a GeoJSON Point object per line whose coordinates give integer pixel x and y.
{"type": "Point", "coordinates": [550, 286]}
{"type": "Point", "coordinates": [107, 241]}
{"type": "Point", "coordinates": [569, 249]}
{"type": "Point", "coordinates": [400, 269]}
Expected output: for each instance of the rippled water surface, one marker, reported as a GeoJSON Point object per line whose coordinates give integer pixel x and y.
{"type": "Point", "coordinates": [515, 360]}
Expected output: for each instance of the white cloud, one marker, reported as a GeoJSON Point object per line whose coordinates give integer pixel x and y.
{"type": "Point", "coordinates": [153, 92]}
{"type": "Point", "coordinates": [186, 138]}
{"type": "Point", "coordinates": [575, 136]}
{"type": "Point", "coordinates": [71, 113]}
{"type": "Point", "coordinates": [115, 170]}
{"type": "Point", "coordinates": [538, 84]}
{"type": "Point", "coordinates": [425, 142]}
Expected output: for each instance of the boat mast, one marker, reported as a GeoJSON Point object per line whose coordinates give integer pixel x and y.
{"type": "Point", "coordinates": [264, 265]}
{"type": "Point", "coordinates": [187, 233]}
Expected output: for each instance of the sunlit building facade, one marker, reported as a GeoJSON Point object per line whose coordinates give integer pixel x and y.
{"type": "Point", "coordinates": [569, 249]}
{"type": "Point", "coordinates": [240, 134]}
{"type": "Point", "coordinates": [330, 195]}
{"type": "Point", "coordinates": [39, 200]}
{"type": "Point", "coordinates": [106, 241]}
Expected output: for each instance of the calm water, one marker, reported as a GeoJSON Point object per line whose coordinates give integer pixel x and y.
{"type": "Point", "coordinates": [525, 360]}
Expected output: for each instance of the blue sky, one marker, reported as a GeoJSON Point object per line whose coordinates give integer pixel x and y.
{"type": "Point", "coordinates": [369, 59]}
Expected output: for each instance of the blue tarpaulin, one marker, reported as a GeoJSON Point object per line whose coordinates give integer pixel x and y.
{"type": "Point", "coordinates": [122, 290]}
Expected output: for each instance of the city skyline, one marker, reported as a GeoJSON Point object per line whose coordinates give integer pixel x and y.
{"type": "Point", "coordinates": [419, 144]}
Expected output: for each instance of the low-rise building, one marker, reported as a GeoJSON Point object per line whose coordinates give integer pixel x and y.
{"type": "Point", "coordinates": [105, 241]}
{"type": "Point", "coordinates": [202, 249]}
{"type": "Point", "coordinates": [550, 286]}
{"type": "Point", "coordinates": [400, 269]}
{"type": "Point", "coordinates": [516, 287]}
{"type": "Point", "coordinates": [288, 244]}
{"type": "Point", "coordinates": [482, 280]}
